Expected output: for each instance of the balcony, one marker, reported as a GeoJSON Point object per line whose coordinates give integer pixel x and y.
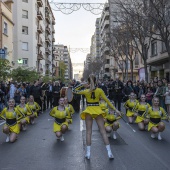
{"type": "Point", "coordinates": [40, 29]}
{"type": "Point", "coordinates": [48, 30]}
{"type": "Point", "coordinates": [39, 15]}
{"type": "Point", "coordinates": [40, 42]}
{"type": "Point", "coordinates": [40, 56]}
{"type": "Point", "coordinates": [47, 61]}
{"type": "Point", "coordinates": [53, 39]}
{"type": "Point", "coordinates": [53, 22]}
{"type": "Point", "coordinates": [47, 17]}
{"type": "Point", "coordinates": [47, 8]}
{"type": "Point", "coordinates": [47, 51]}
{"type": "Point", "coordinates": [107, 66]}
{"type": "Point", "coordinates": [48, 40]}
{"type": "Point", "coordinates": [53, 31]}
{"type": "Point", "coordinates": [40, 3]}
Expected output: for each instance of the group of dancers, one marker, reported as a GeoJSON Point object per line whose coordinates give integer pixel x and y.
{"type": "Point", "coordinates": [144, 115]}
{"type": "Point", "coordinates": [98, 107]}
{"type": "Point", "coordinates": [18, 117]}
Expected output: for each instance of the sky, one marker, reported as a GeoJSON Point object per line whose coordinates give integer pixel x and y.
{"type": "Point", "coordinates": [75, 30]}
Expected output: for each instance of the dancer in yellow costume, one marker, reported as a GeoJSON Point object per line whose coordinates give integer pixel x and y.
{"type": "Point", "coordinates": [94, 111]}
{"type": "Point", "coordinates": [70, 109]}
{"type": "Point", "coordinates": [155, 115]}
{"type": "Point", "coordinates": [130, 105]}
{"type": "Point", "coordinates": [60, 114]}
{"type": "Point", "coordinates": [11, 116]}
{"type": "Point", "coordinates": [25, 111]}
{"type": "Point", "coordinates": [111, 122]}
{"type": "Point", "coordinates": [34, 108]}
{"type": "Point", "coordinates": [103, 105]}
{"type": "Point", "coordinates": [141, 109]}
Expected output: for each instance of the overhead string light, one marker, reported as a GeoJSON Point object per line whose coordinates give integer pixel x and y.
{"type": "Point", "coordinates": [68, 8]}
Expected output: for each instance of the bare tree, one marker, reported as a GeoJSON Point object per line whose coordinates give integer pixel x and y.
{"type": "Point", "coordinates": [159, 16]}
{"type": "Point", "coordinates": [133, 15]}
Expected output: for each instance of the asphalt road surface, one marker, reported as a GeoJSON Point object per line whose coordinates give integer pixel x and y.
{"type": "Point", "coordinates": [38, 149]}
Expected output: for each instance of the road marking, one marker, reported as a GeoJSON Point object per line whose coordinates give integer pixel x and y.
{"type": "Point", "coordinates": [2, 123]}
{"type": "Point", "coordinates": [131, 127]}
{"type": "Point", "coordinates": [81, 125]}
{"type": "Point", "coordinates": [50, 119]}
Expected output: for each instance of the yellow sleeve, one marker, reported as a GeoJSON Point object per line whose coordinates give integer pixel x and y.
{"type": "Point", "coordinates": [164, 114]}
{"type": "Point", "coordinates": [19, 114]}
{"type": "Point", "coordinates": [2, 114]}
{"type": "Point", "coordinates": [126, 104]}
{"type": "Point", "coordinates": [29, 112]}
{"type": "Point", "coordinates": [136, 107]}
{"type": "Point", "coordinates": [52, 112]}
{"type": "Point", "coordinates": [106, 100]}
{"type": "Point", "coordinates": [37, 106]}
{"type": "Point", "coordinates": [68, 113]}
{"type": "Point", "coordinates": [71, 109]}
{"type": "Point", "coordinates": [79, 89]}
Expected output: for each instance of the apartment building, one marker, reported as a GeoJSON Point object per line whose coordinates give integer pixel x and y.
{"type": "Point", "coordinates": [61, 54]}
{"type": "Point", "coordinates": [34, 35]}
{"type": "Point", "coordinates": [6, 29]}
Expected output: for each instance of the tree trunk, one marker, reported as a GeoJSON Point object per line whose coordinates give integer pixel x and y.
{"type": "Point", "coordinates": [131, 68]}
{"type": "Point", "coordinates": [146, 70]}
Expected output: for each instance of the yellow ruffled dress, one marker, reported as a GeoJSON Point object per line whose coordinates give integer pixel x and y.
{"type": "Point", "coordinates": [35, 107]}
{"type": "Point", "coordinates": [11, 119]}
{"type": "Point", "coordinates": [92, 99]}
{"type": "Point", "coordinates": [155, 117]}
{"type": "Point", "coordinates": [130, 106]}
{"type": "Point", "coordinates": [141, 110]}
{"type": "Point", "coordinates": [60, 118]}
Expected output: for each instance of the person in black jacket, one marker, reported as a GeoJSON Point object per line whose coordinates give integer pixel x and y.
{"type": "Point", "coordinates": [49, 94]}
{"type": "Point", "coordinates": [128, 89]}
{"type": "Point", "coordinates": [76, 98]}
{"type": "Point", "coordinates": [36, 92]}
{"type": "Point", "coordinates": [56, 93]}
{"type": "Point", "coordinates": [117, 87]}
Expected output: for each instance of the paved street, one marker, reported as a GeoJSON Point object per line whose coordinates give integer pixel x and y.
{"type": "Point", "coordinates": [38, 149]}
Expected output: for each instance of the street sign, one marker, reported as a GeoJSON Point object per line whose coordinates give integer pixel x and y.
{"type": "Point", "coordinates": [2, 51]}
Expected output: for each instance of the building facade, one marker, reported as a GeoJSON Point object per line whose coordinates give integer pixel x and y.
{"type": "Point", "coordinates": [6, 29]}
{"type": "Point", "coordinates": [62, 54]}
{"type": "Point", "coordinates": [34, 35]}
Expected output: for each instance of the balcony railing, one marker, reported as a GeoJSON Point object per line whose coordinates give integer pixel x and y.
{"type": "Point", "coordinates": [47, 51]}
{"type": "Point", "coordinates": [40, 29]}
{"type": "Point", "coordinates": [53, 31]}
{"type": "Point", "coordinates": [53, 39]}
{"type": "Point", "coordinates": [47, 17]}
{"type": "Point", "coordinates": [47, 61]}
{"type": "Point", "coordinates": [40, 3]}
{"type": "Point", "coordinates": [39, 15]}
{"type": "Point", "coordinates": [48, 30]}
{"type": "Point", "coordinates": [40, 42]}
{"type": "Point", "coordinates": [40, 56]}
{"type": "Point", "coordinates": [48, 40]}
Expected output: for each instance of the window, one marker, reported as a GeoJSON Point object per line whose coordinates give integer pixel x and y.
{"type": "Point", "coordinates": [107, 61]}
{"type": "Point", "coordinates": [24, 14]}
{"type": "Point", "coordinates": [25, 61]}
{"type": "Point", "coordinates": [6, 52]}
{"type": "Point", "coordinates": [25, 46]}
{"type": "Point", "coordinates": [25, 30]}
{"type": "Point", "coordinates": [25, 1]}
{"type": "Point", "coordinates": [5, 28]}
{"type": "Point", "coordinates": [163, 47]}
{"type": "Point", "coordinates": [154, 48]}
